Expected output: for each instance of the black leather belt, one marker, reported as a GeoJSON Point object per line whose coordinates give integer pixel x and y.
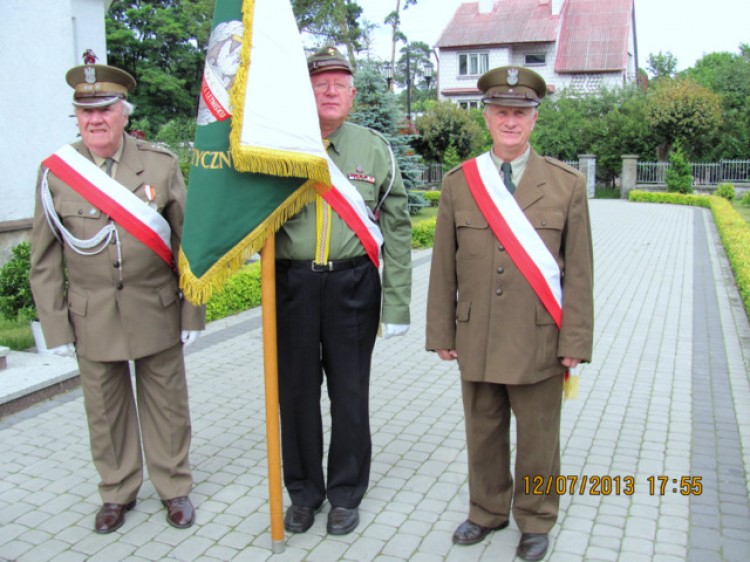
{"type": "Point", "coordinates": [336, 265]}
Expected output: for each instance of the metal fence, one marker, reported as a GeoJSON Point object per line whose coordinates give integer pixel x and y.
{"type": "Point", "coordinates": [432, 175]}
{"type": "Point", "coordinates": [704, 173]}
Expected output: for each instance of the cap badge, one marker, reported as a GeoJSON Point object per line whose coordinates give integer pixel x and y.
{"type": "Point", "coordinates": [89, 57]}
{"type": "Point", "coordinates": [512, 76]}
{"type": "Point", "coordinates": [331, 51]}
{"type": "Point", "coordinates": [89, 74]}
{"type": "Point", "coordinates": [360, 169]}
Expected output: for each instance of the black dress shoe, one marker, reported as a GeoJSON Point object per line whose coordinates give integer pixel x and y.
{"type": "Point", "coordinates": [469, 532]}
{"type": "Point", "coordinates": [342, 520]}
{"type": "Point", "coordinates": [299, 518]}
{"type": "Point", "coordinates": [111, 516]}
{"type": "Point", "coordinates": [533, 546]}
{"type": "Point", "coordinates": [180, 512]}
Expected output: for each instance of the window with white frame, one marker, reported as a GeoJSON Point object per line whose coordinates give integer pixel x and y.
{"type": "Point", "coordinates": [470, 104]}
{"type": "Point", "coordinates": [473, 64]}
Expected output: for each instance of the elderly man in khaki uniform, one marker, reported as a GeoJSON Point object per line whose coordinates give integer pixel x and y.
{"type": "Point", "coordinates": [512, 260]}
{"type": "Point", "coordinates": [107, 226]}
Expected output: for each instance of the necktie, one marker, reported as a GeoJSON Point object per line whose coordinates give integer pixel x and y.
{"type": "Point", "coordinates": [108, 163]}
{"type": "Point", "coordinates": [508, 176]}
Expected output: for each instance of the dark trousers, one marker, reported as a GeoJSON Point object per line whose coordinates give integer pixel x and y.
{"type": "Point", "coordinates": [327, 323]}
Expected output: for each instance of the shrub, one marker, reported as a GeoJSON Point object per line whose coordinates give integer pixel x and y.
{"type": "Point", "coordinates": [679, 177]}
{"type": "Point", "coordinates": [745, 199]}
{"type": "Point", "coordinates": [417, 202]}
{"type": "Point", "coordinates": [434, 197]}
{"type": "Point", "coordinates": [423, 233]}
{"type": "Point", "coordinates": [673, 198]}
{"type": "Point", "coordinates": [241, 292]}
{"type": "Point", "coordinates": [16, 299]}
{"type": "Point", "coordinates": [725, 190]}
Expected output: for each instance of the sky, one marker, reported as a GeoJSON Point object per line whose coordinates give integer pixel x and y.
{"type": "Point", "coordinates": [687, 28]}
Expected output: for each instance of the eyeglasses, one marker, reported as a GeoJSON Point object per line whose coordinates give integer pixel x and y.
{"type": "Point", "coordinates": [340, 87]}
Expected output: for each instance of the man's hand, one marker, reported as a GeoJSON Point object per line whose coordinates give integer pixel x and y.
{"type": "Point", "coordinates": [390, 330]}
{"type": "Point", "coordinates": [189, 336]}
{"type": "Point", "coordinates": [570, 362]}
{"type": "Point", "coordinates": [447, 354]}
{"type": "Point", "coordinates": [64, 350]}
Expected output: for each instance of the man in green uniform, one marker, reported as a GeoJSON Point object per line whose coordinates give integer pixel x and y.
{"type": "Point", "coordinates": [329, 307]}
{"type": "Point", "coordinates": [107, 228]}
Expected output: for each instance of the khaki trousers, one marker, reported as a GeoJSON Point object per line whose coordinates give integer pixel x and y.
{"type": "Point", "coordinates": [487, 409]}
{"type": "Point", "coordinates": [162, 419]}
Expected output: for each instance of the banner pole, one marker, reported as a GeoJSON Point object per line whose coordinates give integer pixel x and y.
{"type": "Point", "coordinates": [271, 369]}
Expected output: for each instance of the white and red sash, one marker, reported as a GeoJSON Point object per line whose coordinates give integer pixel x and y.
{"type": "Point", "coordinates": [113, 199]}
{"type": "Point", "coordinates": [348, 203]}
{"type": "Point", "coordinates": [511, 227]}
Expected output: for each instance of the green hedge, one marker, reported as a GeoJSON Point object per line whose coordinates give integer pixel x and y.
{"type": "Point", "coordinates": [432, 196]}
{"type": "Point", "coordinates": [241, 292]}
{"type": "Point", "coordinates": [733, 230]}
{"type": "Point", "coordinates": [423, 233]}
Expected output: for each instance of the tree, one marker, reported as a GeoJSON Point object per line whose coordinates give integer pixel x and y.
{"type": "Point", "coordinates": [681, 110]}
{"type": "Point", "coordinates": [678, 176]}
{"type": "Point", "coordinates": [162, 44]}
{"type": "Point", "coordinates": [376, 107]}
{"type": "Point", "coordinates": [727, 75]}
{"type": "Point", "coordinates": [446, 124]}
{"type": "Point", "coordinates": [394, 20]}
{"type": "Point", "coordinates": [662, 65]}
{"type": "Point", "coordinates": [333, 22]}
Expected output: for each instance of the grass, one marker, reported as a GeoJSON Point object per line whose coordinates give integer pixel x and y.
{"type": "Point", "coordinates": [16, 334]}
{"type": "Point", "coordinates": [424, 214]}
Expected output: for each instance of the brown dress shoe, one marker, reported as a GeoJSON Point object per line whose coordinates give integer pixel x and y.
{"type": "Point", "coordinates": [111, 516]}
{"type": "Point", "coordinates": [533, 546]}
{"type": "Point", "coordinates": [180, 512]}
{"type": "Point", "coordinates": [469, 532]}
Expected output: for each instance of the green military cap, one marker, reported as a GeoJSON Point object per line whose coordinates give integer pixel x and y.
{"type": "Point", "coordinates": [327, 59]}
{"type": "Point", "coordinates": [98, 85]}
{"type": "Point", "coordinates": [514, 86]}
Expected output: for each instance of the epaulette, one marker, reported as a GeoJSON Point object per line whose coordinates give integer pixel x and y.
{"type": "Point", "coordinates": [452, 170]}
{"type": "Point", "coordinates": [561, 165]}
{"type": "Point", "coordinates": [153, 147]}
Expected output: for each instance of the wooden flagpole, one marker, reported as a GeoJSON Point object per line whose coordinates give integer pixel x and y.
{"type": "Point", "coordinates": [271, 369]}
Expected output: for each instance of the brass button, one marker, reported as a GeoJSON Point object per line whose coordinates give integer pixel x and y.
{"type": "Point", "coordinates": [544, 222]}
{"type": "Point", "coordinates": [119, 286]}
{"type": "Point", "coordinates": [116, 264]}
{"type": "Point", "coordinates": [501, 248]}
{"type": "Point", "coordinates": [500, 270]}
{"type": "Point", "coordinates": [498, 291]}
{"type": "Point", "coordinates": [80, 211]}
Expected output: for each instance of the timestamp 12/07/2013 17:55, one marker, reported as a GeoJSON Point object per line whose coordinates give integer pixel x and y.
{"type": "Point", "coordinates": [606, 485]}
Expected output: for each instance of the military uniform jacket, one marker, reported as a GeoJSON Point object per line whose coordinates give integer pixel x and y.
{"type": "Point", "coordinates": [115, 307]}
{"type": "Point", "coordinates": [480, 304]}
{"type": "Point", "coordinates": [363, 157]}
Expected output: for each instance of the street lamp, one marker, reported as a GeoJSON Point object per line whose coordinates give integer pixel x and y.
{"type": "Point", "coordinates": [428, 69]}
{"type": "Point", "coordinates": [388, 70]}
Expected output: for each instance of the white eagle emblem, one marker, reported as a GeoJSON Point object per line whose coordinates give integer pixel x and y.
{"type": "Point", "coordinates": [89, 74]}
{"type": "Point", "coordinates": [512, 76]}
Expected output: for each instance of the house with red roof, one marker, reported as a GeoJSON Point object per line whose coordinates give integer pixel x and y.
{"type": "Point", "coordinates": [581, 45]}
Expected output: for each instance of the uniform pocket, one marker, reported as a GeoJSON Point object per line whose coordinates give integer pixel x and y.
{"type": "Point", "coordinates": [77, 304]}
{"type": "Point", "coordinates": [471, 234]}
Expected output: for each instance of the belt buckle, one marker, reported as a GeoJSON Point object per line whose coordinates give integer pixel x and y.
{"type": "Point", "coordinates": [322, 267]}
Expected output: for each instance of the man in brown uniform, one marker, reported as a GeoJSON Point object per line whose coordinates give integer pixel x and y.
{"type": "Point", "coordinates": [108, 217]}
{"type": "Point", "coordinates": [486, 310]}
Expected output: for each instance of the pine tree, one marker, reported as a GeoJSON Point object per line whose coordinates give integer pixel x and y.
{"type": "Point", "coordinates": [377, 108]}
{"type": "Point", "coordinates": [679, 176]}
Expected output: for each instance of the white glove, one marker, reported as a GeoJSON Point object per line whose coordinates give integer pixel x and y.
{"type": "Point", "coordinates": [189, 336]}
{"type": "Point", "coordinates": [64, 350]}
{"type": "Point", "coordinates": [390, 330]}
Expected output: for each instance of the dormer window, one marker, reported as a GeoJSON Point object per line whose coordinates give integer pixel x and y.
{"type": "Point", "coordinates": [535, 59]}
{"type": "Point", "coordinates": [473, 64]}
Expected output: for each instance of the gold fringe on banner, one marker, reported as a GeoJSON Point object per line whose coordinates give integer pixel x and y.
{"type": "Point", "coordinates": [198, 290]}
{"type": "Point", "coordinates": [570, 387]}
{"type": "Point", "coordinates": [257, 159]}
